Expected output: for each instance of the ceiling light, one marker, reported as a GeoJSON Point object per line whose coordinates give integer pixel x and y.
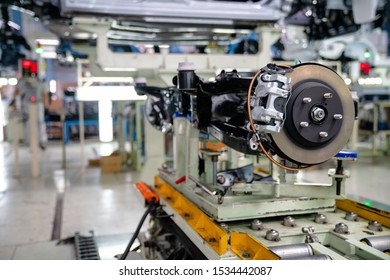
{"type": "Point", "coordinates": [47, 42]}
{"type": "Point", "coordinates": [113, 93]}
{"type": "Point", "coordinates": [12, 81]}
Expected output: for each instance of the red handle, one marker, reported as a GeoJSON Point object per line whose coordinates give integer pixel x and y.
{"type": "Point", "coordinates": [180, 180]}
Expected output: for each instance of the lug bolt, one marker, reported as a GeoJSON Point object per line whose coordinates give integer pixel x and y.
{"type": "Point", "coordinates": [306, 100]}
{"type": "Point", "coordinates": [338, 116]}
{"type": "Point", "coordinates": [328, 95]}
{"type": "Point", "coordinates": [304, 124]}
{"type": "Point", "coordinates": [323, 134]}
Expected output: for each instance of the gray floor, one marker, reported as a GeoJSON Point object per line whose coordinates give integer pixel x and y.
{"type": "Point", "coordinates": [104, 203]}
{"type": "Point", "coordinates": [107, 203]}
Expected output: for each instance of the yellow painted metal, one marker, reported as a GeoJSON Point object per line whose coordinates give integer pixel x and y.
{"type": "Point", "coordinates": [211, 233]}
{"type": "Point", "coordinates": [248, 248]}
{"type": "Point", "coordinates": [259, 169]}
{"type": "Point", "coordinates": [364, 211]}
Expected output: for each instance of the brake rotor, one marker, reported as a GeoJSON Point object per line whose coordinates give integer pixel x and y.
{"type": "Point", "coordinates": [319, 116]}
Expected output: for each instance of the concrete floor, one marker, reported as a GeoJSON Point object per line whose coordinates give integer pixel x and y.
{"type": "Point", "coordinates": [104, 203]}
{"type": "Point", "coordinates": [107, 203]}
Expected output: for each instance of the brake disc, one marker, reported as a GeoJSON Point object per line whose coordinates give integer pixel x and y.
{"type": "Point", "coordinates": [319, 116]}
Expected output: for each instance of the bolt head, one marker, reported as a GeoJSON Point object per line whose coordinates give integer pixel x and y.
{"type": "Point", "coordinates": [320, 219]}
{"type": "Point", "coordinates": [341, 228]}
{"type": "Point", "coordinates": [374, 225]}
{"type": "Point", "coordinates": [272, 235]}
{"type": "Point", "coordinates": [351, 216]}
{"type": "Point", "coordinates": [289, 221]}
{"type": "Point", "coordinates": [257, 225]}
